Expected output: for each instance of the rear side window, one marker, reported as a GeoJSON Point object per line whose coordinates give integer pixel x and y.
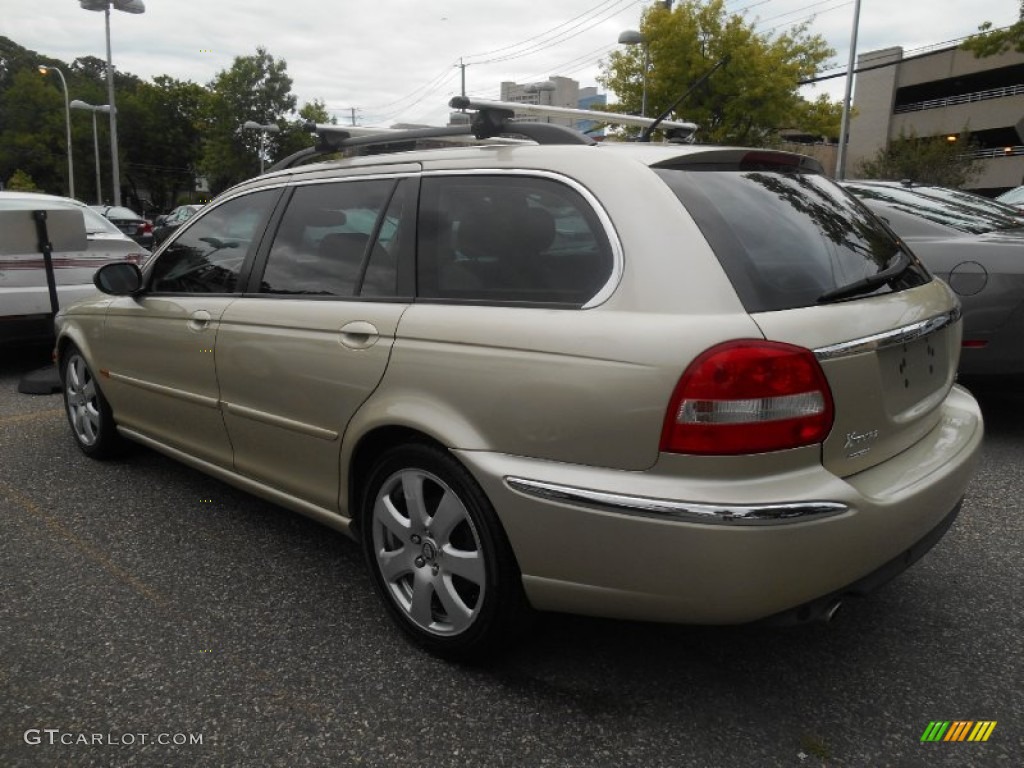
{"type": "Point", "coordinates": [786, 237]}
{"type": "Point", "coordinates": [509, 239]}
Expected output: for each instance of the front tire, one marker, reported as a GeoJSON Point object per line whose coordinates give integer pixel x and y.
{"type": "Point", "coordinates": [438, 556]}
{"type": "Point", "coordinates": [89, 414]}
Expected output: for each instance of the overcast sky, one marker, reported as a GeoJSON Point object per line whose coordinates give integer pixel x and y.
{"type": "Point", "coordinates": [395, 60]}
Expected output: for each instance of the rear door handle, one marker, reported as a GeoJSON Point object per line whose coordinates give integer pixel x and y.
{"type": "Point", "coordinates": [359, 334]}
{"type": "Point", "coordinates": [199, 320]}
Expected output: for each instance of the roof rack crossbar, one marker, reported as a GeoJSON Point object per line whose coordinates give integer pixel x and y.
{"type": "Point", "coordinates": [494, 118]}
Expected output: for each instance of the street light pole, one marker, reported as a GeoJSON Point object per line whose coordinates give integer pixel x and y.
{"type": "Point", "coordinates": [264, 130]}
{"type": "Point", "coordinates": [43, 69]}
{"type": "Point", "coordinates": [76, 104]}
{"type": "Point", "coordinates": [632, 37]}
{"type": "Point", "coordinates": [129, 6]}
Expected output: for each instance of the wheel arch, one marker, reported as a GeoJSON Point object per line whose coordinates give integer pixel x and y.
{"type": "Point", "coordinates": [364, 454]}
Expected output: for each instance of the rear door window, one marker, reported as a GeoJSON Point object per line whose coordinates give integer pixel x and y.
{"type": "Point", "coordinates": [786, 237]}
{"type": "Point", "coordinates": [509, 239]}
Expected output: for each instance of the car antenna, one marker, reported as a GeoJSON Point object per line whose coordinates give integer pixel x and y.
{"type": "Point", "coordinates": [649, 130]}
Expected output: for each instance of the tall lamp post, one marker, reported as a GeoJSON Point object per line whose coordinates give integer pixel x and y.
{"type": "Point", "coordinates": [252, 125]}
{"type": "Point", "coordinates": [632, 37]}
{"type": "Point", "coordinates": [43, 70]}
{"type": "Point", "coordinates": [128, 6]}
{"type": "Point", "coordinates": [76, 104]}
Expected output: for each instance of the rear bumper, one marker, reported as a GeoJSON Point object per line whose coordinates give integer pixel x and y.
{"type": "Point", "coordinates": [824, 607]}
{"type": "Point", "coordinates": [580, 555]}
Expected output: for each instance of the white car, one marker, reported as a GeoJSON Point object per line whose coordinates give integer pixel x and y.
{"type": "Point", "coordinates": [25, 313]}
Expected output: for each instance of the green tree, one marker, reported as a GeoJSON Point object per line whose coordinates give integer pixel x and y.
{"type": "Point", "coordinates": [21, 182]}
{"type": "Point", "coordinates": [33, 136]}
{"type": "Point", "coordinates": [255, 88]}
{"type": "Point", "coordinates": [989, 42]}
{"type": "Point", "coordinates": [927, 160]}
{"type": "Point", "coordinates": [160, 127]}
{"type": "Point", "coordinates": [745, 102]}
{"type": "Point", "coordinates": [295, 136]}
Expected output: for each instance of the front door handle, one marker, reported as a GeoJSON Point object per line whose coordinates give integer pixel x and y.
{"type": "Point", "coordinates": [199, 320]}
{"type": "Point", "coordinates": [359, 334]}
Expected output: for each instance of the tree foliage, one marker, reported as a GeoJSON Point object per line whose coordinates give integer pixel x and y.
{"type": "Point", "coordinates": [295, 136]}
{"type": "Point", "coordinates": [162, 137]}
{"type": "Point", "coordinates": [255, 88]}
{"type": "Point", "coordinates": [926, 160]}
{"type": "Point", "coordinates": [21, 182]}
{"type": "Point", "coordinates": [990, 42]}
{"type": "Point", "coordinates": [747, 101]}
{"type": "Point", "coordinates": [169, 130]}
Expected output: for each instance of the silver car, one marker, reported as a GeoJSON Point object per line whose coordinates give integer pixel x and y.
{"type": "Point", "coordinates": [977, 246]}
{"type": "Point", "coordinates": [25, 313]}
{"type": "Point", "coordinates": [671, 383]}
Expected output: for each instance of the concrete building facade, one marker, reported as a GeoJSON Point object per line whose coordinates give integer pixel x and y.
{"type": "Point", "coordinates": [553, 92]}
{"type": "Point", "coordinates": [947, 92]}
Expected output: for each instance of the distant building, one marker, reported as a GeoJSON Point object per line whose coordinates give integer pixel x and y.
{"type": "Point", "coordinates": [554, 92]}
{"type": "Point", "coordinates": [943, 93]}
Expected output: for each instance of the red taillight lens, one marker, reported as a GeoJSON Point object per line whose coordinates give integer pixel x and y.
{"type": "Point", "coordinates": [144, 228]}
{"type": "Point", "coordinates": [748, 396]}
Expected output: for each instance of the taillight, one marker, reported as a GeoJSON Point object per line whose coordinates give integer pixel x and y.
{"type": "Point", "coordinates": [748, 396]}
{"type": "Point", "coordinates": [144, 228]}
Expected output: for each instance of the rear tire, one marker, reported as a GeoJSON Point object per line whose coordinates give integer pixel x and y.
{"type": "Point", "coordinates": [438, 556]}
{"type": "Point", "coordinates": [89, 414]}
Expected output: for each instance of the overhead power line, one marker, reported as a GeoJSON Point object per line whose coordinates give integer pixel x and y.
{"type": "Point", "coordinates": [531, 40]}
{"type": "Point", "coordinates": [927, 50]}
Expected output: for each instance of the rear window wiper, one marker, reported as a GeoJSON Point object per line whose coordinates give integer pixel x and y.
{"type": "Point", "coordinates": [869, 283]}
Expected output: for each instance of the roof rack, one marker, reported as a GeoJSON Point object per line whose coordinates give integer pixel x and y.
{"type": "Point", "coordinates": [675, 131]}
{"type": "Point", "coordinates": [490, 120]}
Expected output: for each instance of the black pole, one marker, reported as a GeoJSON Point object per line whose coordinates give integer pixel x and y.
{"type": "Point", "coordinates": [46, 247]}
{"type": "Point", "coordinates": [45, 381]}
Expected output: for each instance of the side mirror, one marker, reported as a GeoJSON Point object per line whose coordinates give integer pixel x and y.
{"type": "Point", "coordinates": [118, 279]}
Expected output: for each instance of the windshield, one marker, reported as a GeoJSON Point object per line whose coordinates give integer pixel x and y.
{"type": "Point", "coordinates": [962, 211]}
{"type": "Point", "coordinates": [787, 239]}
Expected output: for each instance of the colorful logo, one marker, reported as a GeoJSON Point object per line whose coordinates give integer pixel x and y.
{"type": "Point", "coordinates": [958, 730]}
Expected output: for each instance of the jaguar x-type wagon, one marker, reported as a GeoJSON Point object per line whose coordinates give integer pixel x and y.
{"type": "Point", "coordinates": [674, 383]}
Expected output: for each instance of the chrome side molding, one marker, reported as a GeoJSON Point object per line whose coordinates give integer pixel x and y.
{"type": "Point", "coordinates": [682, 511]}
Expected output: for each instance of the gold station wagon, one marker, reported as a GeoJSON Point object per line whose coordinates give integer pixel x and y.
{"type": "Point", "coordinates": [666, 382]}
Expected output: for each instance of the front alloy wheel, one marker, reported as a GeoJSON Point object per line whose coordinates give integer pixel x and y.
{"type": "Point", "coordinates": [89, 415]}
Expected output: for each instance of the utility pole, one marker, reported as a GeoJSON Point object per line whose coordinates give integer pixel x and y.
{"type": "Point", "coordinates": [463, 66]}
{"type": "Point", "coordinates": [844, 125]}
{"type": "Point", "coordinates": [353, 109]}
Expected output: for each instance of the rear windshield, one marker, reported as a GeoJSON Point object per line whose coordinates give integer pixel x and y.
{"type": "Point", "coordinates": [786, 237]}
{"type": "Point", "coordinates": [963, 211]}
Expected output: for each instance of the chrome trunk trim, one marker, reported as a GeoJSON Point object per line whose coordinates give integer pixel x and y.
{"type": "Point", "coordinates": [893, 338]}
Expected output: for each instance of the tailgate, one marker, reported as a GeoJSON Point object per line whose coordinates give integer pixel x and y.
{"type": "Point", "coordinates": [890, 361]}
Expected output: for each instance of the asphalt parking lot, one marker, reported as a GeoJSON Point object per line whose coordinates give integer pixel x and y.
{"type": "Point", "coordinates": [146, 604]}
